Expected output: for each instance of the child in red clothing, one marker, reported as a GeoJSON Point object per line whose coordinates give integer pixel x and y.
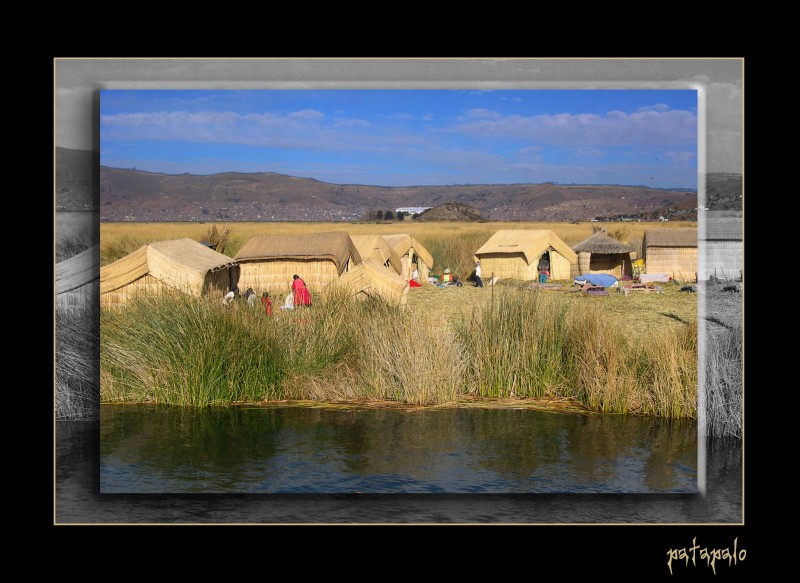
{"type": "Point", "coordinates": [267, 303]}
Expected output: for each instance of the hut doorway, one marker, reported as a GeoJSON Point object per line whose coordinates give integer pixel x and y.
{"type": "Point", "coordinates": [234, 273]}
{"type": "Point", "coordinates": [543, 267]}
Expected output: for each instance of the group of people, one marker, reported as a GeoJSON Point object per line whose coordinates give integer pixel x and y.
{"type": "Point", "coordinates": [298, 296]}
{"type": "Point", "coordinates": [449, 279]}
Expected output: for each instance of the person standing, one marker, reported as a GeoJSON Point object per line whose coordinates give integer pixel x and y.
{"type": "Point", "coordinates": [544, 267]}
{"type": "Point", "coordinates": [478, 280]}
{"type": "Point", "coordinates": [267, 303]}
{"type": "Point", "coordinates": [288, 303]}
{"type": "Point", "coordinates": [230, 296]}
{"type": "Point", "coordinates": [250, 296]}
{"type": "Point", "coordinates": [302, 297]}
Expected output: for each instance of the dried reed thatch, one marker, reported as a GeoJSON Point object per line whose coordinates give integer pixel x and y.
{"type": "Point", "coordinates": [722, 246]}
{"type": "Point", "coordinates": [411, 251]}
{"type": "Point", "coordinates": [77, 279]}
{"type": "Point", "coordinates": [372, 279]}
{"type": "Point", "coordinates": [672, 251]}
{"type": "Point", "coordinates": [375, 247]}
{"type": "Point", "coordinates": [183, 265]}
{"type": "Point", "coordinates": [514, 254]}
{"type": "Point", "coordinates": [601, 253]}
{"type": "Point", "coordinates": [268, 262]}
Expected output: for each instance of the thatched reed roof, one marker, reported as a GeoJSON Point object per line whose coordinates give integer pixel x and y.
{"type": "Point", "coordinates": [373, 279]}
{"type": "Point", "coordinates": [78, 270]}
{"type": "Point", "coordinates": [336, 246]}
{"type": "Point", "coordinates": [602, 243]}
{"type": "Point", "coordinates": [182, 264]}
{"type": "Point", "coordinates": [679, 237]}
{"type": "Point", "coordinates": [530, 242]}
{"type": "Point", "coordinates": [401, 243]}
{"type": "Point", "coordinates": [723, 227]}
{"type": "Point", "coordinates": [376, 247]}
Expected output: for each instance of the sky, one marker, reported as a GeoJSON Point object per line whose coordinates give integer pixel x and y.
{"type": "Point", "coordinates": [409, 137]}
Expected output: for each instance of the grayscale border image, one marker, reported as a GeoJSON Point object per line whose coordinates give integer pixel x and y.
{"type": "Point", "coordinates": [720, 288]}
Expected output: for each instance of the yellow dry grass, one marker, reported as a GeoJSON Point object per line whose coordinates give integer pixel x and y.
{"type": "Point", "coordinates": [137, 234]}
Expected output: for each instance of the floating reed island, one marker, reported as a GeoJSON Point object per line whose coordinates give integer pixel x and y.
{"type": "Point", "coordinates": [422, 347]}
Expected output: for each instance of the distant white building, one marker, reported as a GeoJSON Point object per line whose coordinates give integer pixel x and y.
{"type": "Point", "coordinates": [412, 210]}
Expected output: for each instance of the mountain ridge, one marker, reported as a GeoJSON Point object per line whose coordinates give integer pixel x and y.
{"type": "Point", "coordinates": [139, 195]}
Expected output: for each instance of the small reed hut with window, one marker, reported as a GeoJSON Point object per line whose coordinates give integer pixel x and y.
{"type": "Point", "coordinates": [166, 266]}
{"type": "Point", "coordinates": [671, 251]}
{"type": "Point", "coordinates": [601, 253]}
{"type": "Point", "coordinates": [723, 246]}
{"type": "Point", "coordinates": [515, 254]}
{"type": "Point", "coordinates": [268, 262]}
{"type": "Point", "coordinates": [411, 252]}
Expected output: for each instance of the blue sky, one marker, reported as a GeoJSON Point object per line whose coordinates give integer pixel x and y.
{"type": "Point", "coordinates": [409, 137]}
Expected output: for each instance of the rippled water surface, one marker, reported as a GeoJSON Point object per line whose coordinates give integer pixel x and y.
{"type": "Point", "coordinates": [145, 449]}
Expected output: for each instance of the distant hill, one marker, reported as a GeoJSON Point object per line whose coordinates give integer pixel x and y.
{"type": "Point", "coordinates": [724, 191]}
{"type": "Point", "coordinates": [451, 211]}
{"type": "Point", "coordinates": [77, 179]}
{"type": "Point", "coordinates": [130, 194]}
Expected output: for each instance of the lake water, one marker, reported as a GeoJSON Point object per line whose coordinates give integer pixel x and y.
{"type": "Point", "coordinates": [144, 449]}
{"type": "Point", "coordinates": [78, 499]}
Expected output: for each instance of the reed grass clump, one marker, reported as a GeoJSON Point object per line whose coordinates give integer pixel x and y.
{"type": "Point", "coordinates": [538, 345]}
{"type": "Point", "coordinates": [194, 352]}
{"type": "Point", "coordinates": [724, 372]}
{"type": "Point", "coordinates": [77, 362]}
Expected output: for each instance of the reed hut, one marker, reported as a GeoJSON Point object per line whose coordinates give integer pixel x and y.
{"type": "Point", "coordinates": [370, 278]}
{"type": "Point", "coordinates": [376, 247]}
{"type": "Point", "coordinates": [601, 253]}
{"type": "Point", "coordinates": [410, 252]}
{"type": "Point", "coordinates": [159, 268]}
{"type": "Point", "coordinates": [515, 254]}
{"type": "Point", "coordinates": [78, 279]}
{"type": "Point", "coordinates": [723, 245]}
{"type": "Point", "coordinates": [671, 251]}
{"type": "Point", "coordinates": [268, 262]}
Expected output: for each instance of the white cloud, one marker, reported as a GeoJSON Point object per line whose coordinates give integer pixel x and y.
{"type": "Point", "coordinates": [584, 152]}
{"type": "Point", "coordinates": [616, 128]}
{"type": "Point", "coordinates": [656, 107]}
{"type": "Point", "coordinates": [215, 127]}
{"type": "Point", "coordinates": [681, 156]}
{"type": "Point", "coordinates": [307, 114]}
{"type": "Point", "coordinates": [352, 123]}
{"type": "Point", "coordinates": [482, 113]}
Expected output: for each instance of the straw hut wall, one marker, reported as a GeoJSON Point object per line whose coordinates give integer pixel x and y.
{"type": "Point", "coordinates": [372, 279]}
{"type": "Point", "coordinates": [375, 247]}
{"type": "Point", "coordinates": [182, 265]}
{"type": "Point", "coordinates": [411, 251]}
{"type": "Point", "coordinates": [601, 253]}
{"type": "Point", "coordinates": [672, 251]}
{"type": "Point", "coordinates": [515, 254]}
{"type": "Point", "coordinates": [78, 279]}
{"type": "Point", "coordinates": [268, 262]}
{"type": "Point", "coordinates": [723, 247]}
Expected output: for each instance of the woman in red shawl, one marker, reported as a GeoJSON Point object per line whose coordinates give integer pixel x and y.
{"type": "Point", "coordinates": [301, 295]}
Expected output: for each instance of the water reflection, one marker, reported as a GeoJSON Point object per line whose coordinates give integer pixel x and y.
{"type": "Point", "coordinates": [145, 449]}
